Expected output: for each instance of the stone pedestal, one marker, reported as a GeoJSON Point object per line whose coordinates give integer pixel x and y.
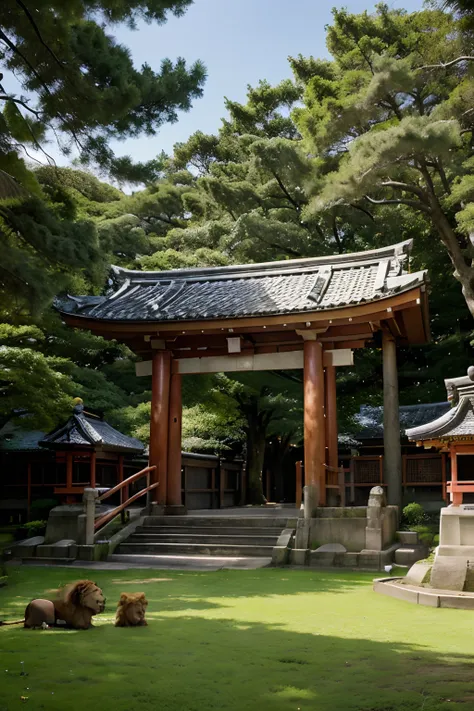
{"type": "Point", "coordinates": [454, 559]}
{"type": "Point", "coordinates": [63, 523]}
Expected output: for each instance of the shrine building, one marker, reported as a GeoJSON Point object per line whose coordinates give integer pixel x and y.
{"type": "Point", "coordinates": [308, 314]}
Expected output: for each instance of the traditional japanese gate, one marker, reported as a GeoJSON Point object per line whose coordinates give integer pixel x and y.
{"type": "Point", "coordinates": [304, 313]}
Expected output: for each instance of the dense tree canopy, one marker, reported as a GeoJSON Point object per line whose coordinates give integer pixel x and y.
{"type": "Point", "coordinates": [367, 148]}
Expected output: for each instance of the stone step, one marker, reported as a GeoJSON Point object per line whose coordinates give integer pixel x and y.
{"type": "Point", "coordinates": [218, 549]}
{"type": "Point", "coordinates": [408, 555]}
{"type": "Point", "coordinates": [45, 560]}
{"type": "Point", "coordinates": [205, 538]}
{"type": "Point", "coordinates": [195, 562]}
{"type": "Point", "coordinates": [217, 521]}
{"type": "Point", "coordinates": [208, 530]}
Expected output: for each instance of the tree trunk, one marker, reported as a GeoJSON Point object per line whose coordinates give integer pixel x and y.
{"type": "Point", "coordinates": [256, 436]}
{"type": "Point", "coordinates": [463, 270]}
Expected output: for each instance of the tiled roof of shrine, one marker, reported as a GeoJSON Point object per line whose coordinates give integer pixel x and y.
{"type": "Point", "coordinates": [85, 429]}
{"type": "Point", "coordinates": [457, 422]}
{"type": "Point", "coordinates": [272, 288]}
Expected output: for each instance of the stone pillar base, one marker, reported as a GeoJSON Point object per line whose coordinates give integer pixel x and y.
{"type": "Point", "coordinates": [156, 509]}
{"type": "Point", "coordinates": [177, 510]}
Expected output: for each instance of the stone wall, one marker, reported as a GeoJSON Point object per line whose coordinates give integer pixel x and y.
{"type": "Point", "coordinates": [340, 525]}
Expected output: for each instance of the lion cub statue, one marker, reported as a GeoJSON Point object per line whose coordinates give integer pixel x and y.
{"type": "Point", "coordinates": [131, 610]}
{"type": "Point", "coordinates": [74, 607]}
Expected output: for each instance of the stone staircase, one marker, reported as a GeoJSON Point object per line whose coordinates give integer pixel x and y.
{"type": "Point", "coordinates": [196, 537]}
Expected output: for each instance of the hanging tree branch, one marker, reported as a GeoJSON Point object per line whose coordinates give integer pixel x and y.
{"type": "Point", "coordinates": [417, 204]}
{"type": "Point", "coordinates": [447, 65]}
{"type": "Point", "coordinates": [38, 33]}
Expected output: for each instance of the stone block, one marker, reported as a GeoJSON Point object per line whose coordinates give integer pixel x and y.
{"type": "Point", "coordinates": [350, 560]}
{"type": "Point", "coordinates": [63, 523]}
{"type": "Point", "coordinates": [27, 548]}
{"type": "Point", "coordinates": [387, 555]}
{"type": "Point", "coordinates": [321, 559]}
{"type": "Point", "coordinates": [394, 589]}
{"type": "Point", "coordinates": [458, 602]}
{"type": "Point", "coordinates": [408, 537]}
{"type": "Point", "coordinates": [60, 549]}
{"type": "Point", "coordinates": [428, 599]}
{"type": "Point", "coordinates": [408, 555]}
{"type": "Point", "coordinates": [369, 559]}
{"type": "Point", "coordinates": [303, 529]}
{"type": "Point", "coordinates": [449, 573]}
{"type": "Point", "coordinates": [373, 539]}
{"type": "Point", "coordinates": [299, 556]}
{"type": "Point", "coordinates": [280, 555]}
{"type": "Point", "coordinates": [331, 548]}
{"type": "Point", "coordinates": [85, 552]}
{"type": "Point", "coordinates": [417, 573]}
{"type": "Point", "coordinates": [284, 538]}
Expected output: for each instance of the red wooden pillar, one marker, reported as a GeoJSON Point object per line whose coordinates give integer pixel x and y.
{"type": "Point", "coordinates": [173, 498]}
{"type": "Point", "coordinates": [456, 496]}
{"type": "Point", "coordinates": [158, 453]}
{"type": "Point", "coordinates": [331, 420]}
{"type": "Point", "coordinates": [93, 468]}
{"type": "Point", "coordinates": [314, 429]}
{"type": "Point", "coordinates": [69, 496]}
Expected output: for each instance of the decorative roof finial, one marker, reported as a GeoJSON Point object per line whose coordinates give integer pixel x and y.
{"type": "Point", "coordinates": [470, 372]}
{"type": "Point", "coordinates": [78, 405]}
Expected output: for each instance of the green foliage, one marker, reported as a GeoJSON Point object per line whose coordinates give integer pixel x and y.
{"type": "Point", "coordinates": [81, 84]}
{"type": "Point", "coordinates": [413, 515]}
{"type": "Point", "coordinates": [30, 530]}
{"type": "Point", "coordinates": [426, 534]}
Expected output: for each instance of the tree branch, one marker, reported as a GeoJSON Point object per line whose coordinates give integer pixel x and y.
{"type": "Point", "coordinates": [38, 33]}
{"type": "Point", "coordinates": [416, 204]}
{"type": "Point", "coordinates": [4, 97]}
{"type": "Point", "coordinates": [397, 185]}
{"type": "Point", "coordinates": [284, 190]}
{"type": "Point", "coordinates": [464, 58]}
{"type": "Point", "coordinates": [15, 50]}
{"type": "Point", "coordinates": [335, 232]}
{"type": "Point", "coordinates": [362, 209]}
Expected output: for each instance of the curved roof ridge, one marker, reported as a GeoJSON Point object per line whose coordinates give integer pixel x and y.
{"type": "Point", "coordinates": [398, 251]}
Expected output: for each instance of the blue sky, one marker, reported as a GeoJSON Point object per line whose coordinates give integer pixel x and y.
{"type": "Point", "coordinates": [240, 42]}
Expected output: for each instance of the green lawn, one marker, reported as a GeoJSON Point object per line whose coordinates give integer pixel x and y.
{"type": "Point", "coordinates": [268, 639]}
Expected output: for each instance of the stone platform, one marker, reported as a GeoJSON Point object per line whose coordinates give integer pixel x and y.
{"type": "Point", "coordinates": [419, 595]}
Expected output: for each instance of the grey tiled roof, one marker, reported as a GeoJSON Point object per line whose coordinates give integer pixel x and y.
{"type": "Point", "coordinates": [272, 288]}
{"type": "Point", "coordinates": [457, 422]}
{"type": "Point", "coordinates": [84, 429]}
{"type": "Point", "coordinates": [15, 439]}
{"type": "Point", "coordinates": [370, 418]}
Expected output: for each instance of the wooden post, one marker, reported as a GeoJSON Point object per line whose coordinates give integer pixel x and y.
{"type": "Point", "coordinates": [352, 479]}
{"type": "Point", "coordinates": [391, 423]}
{"type": "Point", "coordinates": [314, 430]}
{"type": "Point", "coordinates": [456, 496]}
{"type": "Point", "coordinates": [28, 505]}
{"type": "Point", "coordinates": [299, 483]}
{"type": "Point", "coordinates": [268, 485]}
{"type": "Point", "coordinates": [222, 483]}
{"type": "Point", "coordinates": [158, 452]}
{"type": "Point", "coordinates": [444, 492]}
{"type": "Point", "coordinates": [174, 497]}
{"type": "Point", "coordinates": [331, 416]}
{"type": "Point", "coordinates": [69, 496]}
{"type": "Point", "coordinates": [124, 491]}
{"type": "Point", "coordinates": [341, 479]}
{"type": "Point", "coordinates": [93, 463]}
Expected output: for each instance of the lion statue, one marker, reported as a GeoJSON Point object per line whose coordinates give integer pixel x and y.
{"type": "Point", "coordinates": [131, 610]}
{"type": "Point", "coordinates": [74, 607]}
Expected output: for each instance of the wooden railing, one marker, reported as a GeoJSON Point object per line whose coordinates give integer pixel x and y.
{"type": "Point", "coordinates": [123, 505]}
{"type": "Point", "coordinates": [334, 479]}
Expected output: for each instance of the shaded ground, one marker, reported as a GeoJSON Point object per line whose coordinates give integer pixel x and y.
{"type": "Point", "coordinates": [235, 640]}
